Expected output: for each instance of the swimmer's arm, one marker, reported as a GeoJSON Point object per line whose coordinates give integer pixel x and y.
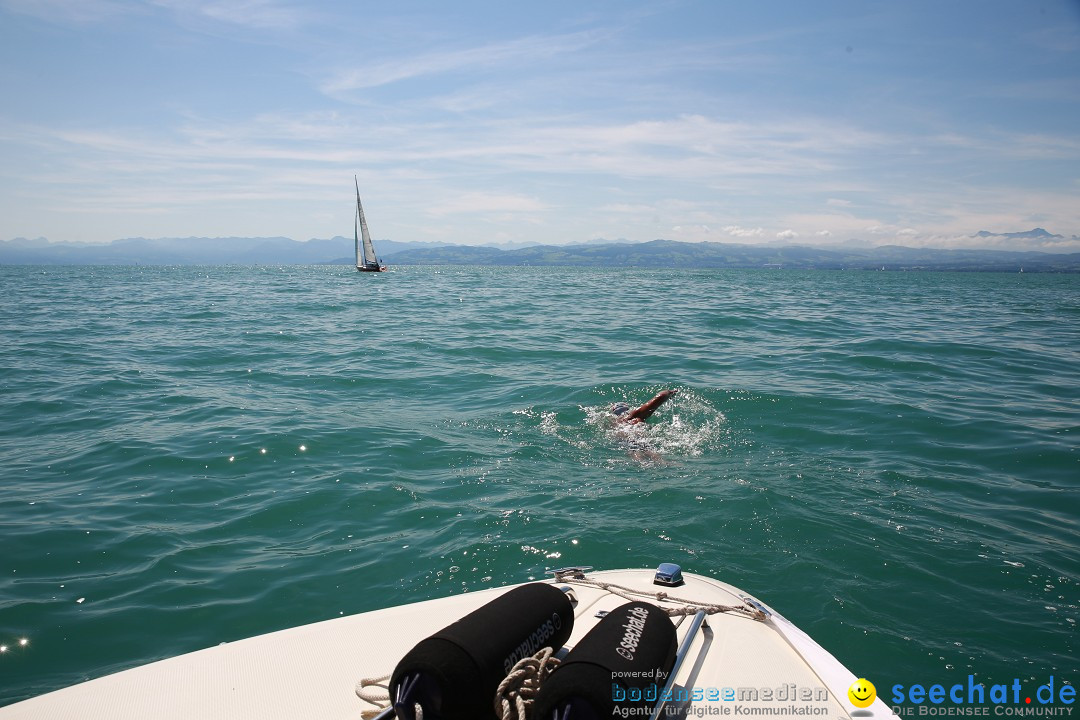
{"type": "Point", "coordinates": [650, 407]}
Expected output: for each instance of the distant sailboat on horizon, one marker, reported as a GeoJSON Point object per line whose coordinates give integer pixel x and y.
{"type": "Point", "coordinates": [365, 251]}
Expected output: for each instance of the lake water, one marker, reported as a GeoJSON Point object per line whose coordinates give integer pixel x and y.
{"type": "Point", "coordinates": [196, 455]}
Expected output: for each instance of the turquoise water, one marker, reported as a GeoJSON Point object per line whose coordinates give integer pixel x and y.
{"type": "Point", "coordinates": [196, 455]}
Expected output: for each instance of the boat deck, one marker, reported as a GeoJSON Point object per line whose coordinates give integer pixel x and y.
{"type": "Point", "coordinates": [312, 671]}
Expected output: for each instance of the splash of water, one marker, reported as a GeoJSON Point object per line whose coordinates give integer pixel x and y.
{"type": "Point", "coordinates": [687, 425]}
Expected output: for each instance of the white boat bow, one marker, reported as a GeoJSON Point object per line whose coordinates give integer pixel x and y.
{"type": "Point", "coordinates": [744, 655]}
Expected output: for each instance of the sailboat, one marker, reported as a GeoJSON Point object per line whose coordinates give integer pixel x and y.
{"type": "Point", "coordinates": [365, 251]}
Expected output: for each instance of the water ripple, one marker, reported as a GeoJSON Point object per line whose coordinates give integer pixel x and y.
{"type": "Point", "coordinates": [888, 458]}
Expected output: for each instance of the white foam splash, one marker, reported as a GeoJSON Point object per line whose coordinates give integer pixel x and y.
{"type": "Point", "coordinates": [685, 426]}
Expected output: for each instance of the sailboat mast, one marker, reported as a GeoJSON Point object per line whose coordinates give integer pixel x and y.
{"type": "Point", "coordinates": [356, 225]}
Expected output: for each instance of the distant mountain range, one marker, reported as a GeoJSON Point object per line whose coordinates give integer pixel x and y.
{"type": "Point", "coordinates": [1036, 234]}
{"type": "Point", "coordinates": [189, 251]}
{"type": "Point", "coordinates": [658, 253]}
{"type": "Point", "coordinates": [667, 253]}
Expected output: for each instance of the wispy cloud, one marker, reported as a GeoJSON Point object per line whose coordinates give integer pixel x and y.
{"type": "Point", "coordinates": [257, 14]}
{"type": "Point", "coordinates": [69, 11]}
{"type": "Point", "coordinates": [279, 156]}
{"type": "Point", "coordinates": [477, 202]}
{"type": "Point", "coordinates": [648, 124]}
{"type": "Point", "coordinates": [514, 52]}
{"type": "Point", "coordinates": [260, 14]}
{"type": "Point", "coordinates": [1064, 38]}
{"type": "Point", "coordinates": [740, 232]}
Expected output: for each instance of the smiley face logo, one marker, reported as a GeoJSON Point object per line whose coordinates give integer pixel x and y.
{"type": "Point", "coordinates": [861, 693]}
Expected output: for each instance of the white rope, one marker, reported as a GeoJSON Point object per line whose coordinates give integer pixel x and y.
{"type": "Point", "coordinates": [376, 691]}
{"type": "Point", "coordinates": [517, 692]}
{"type": "Point", "coordinates": [689, 607]}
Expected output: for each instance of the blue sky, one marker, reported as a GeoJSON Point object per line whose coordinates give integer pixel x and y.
{"type": "Point", "coordinates": [918, 123]}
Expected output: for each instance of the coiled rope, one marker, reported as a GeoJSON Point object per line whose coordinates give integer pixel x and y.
{"type": "Point", "coordinates": [514, 697]}
{"type": "Point", "coordinates": [376, 691]}
{"type": "Point", "coordinates": [517, 692]}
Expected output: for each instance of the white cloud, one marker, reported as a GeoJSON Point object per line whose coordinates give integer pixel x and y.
{"type": "Point", "coordinates": [479, 202]}
{"type": "Point", "coordinates": [259, 14]}
{"type": "Point", "coordinates": [741, 232]}
{"type": "Point", "coordinates": [470, 121]}
{"type": "Point", "coordinates": [692, 232]}
{"type": "Point", "coordinates": [521, 51]}
{"type": "Point", "coordinates": [426, 172]}
{"type": "Point", "coordinates": [61, 11]}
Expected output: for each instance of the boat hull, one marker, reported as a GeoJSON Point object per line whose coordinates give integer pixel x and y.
{"type": "Point", "coordinates": [312, 671]}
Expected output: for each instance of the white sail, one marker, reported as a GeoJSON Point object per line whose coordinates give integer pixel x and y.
{"type": "Point", "coordinates": [365, 251]}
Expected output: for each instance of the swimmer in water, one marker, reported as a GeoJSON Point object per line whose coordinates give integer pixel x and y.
{"type": "Point", "coordinates": [640, 414]}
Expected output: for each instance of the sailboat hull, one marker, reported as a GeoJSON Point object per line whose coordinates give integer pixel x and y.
{"type": "Point", "coordinates": [380, 268]}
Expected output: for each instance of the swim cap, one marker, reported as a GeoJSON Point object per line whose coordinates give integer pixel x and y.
{"type": "Point", "coordinates": [620, 408]}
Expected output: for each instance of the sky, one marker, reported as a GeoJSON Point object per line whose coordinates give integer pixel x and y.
{"type": "Point", "coordinates": [851, 122]}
